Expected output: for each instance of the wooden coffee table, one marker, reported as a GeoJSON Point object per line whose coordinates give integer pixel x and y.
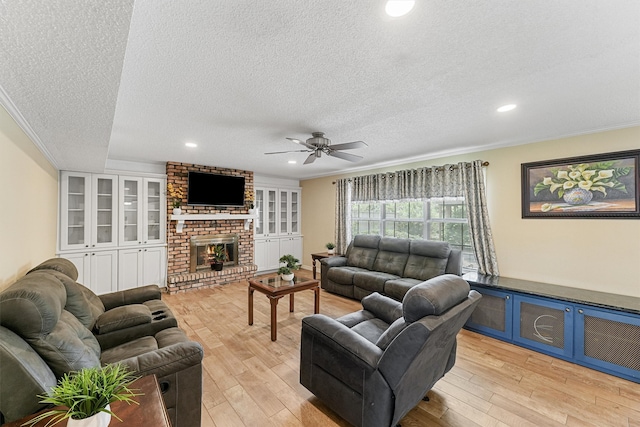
{"type": "Point", "coordinates": [275, 288]}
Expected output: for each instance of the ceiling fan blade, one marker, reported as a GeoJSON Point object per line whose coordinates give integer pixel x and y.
{"type": "Point", "coordinates": [344, 156]}
{"type": "Point", "coordinates": [349, 145]}
{"type": "Point", "coordinates": [303, 143]}
{"type": "Point", "coordinates": [310, 159]}
{"type": "Point", "coordinates": [292, 151]}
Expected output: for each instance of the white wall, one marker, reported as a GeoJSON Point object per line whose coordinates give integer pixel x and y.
{"type": "Point", "coordinates": [29, 199]}
{"type": "Point", "coordinates": [596, 254]}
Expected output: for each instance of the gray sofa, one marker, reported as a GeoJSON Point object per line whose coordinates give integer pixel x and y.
{"type": "Point", "coordinates": [387, 265]}
{"type": "Point", "coordinates": [373, 366]}
{"type": "Point", "coordinates": [46, 324]}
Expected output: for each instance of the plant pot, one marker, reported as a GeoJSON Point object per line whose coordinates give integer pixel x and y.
{"type": "Point", "coordinates": [287, 277]}
{"type": "Point", "coordinates": [101, 419]}
{"type": "Point", "coordinates": [177, 211]}
{"type": "Point", "coordinates": [252, 211]}
{"type": "Point", "coordinates": [331, 251]}
{"type": "Point", "coordinates": [217, 266]}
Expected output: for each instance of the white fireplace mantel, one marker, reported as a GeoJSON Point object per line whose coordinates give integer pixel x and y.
{"type": "Point", "coordinates": [248, 218]}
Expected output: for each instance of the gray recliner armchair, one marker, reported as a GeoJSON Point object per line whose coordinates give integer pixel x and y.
{"type": "Point", "coordinates": [373, 366]}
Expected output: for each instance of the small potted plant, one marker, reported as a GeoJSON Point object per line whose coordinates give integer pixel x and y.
{"type": "Point", "coordinates": [85, 396]}
{"type": "Point", "coordinates": [248, 198]}
{"type": "Point", "coordinates": [218, 255]}
{"type": "Point", "coordinates": [291, 263]}
{"type": "Point", "coordinates": [176, 195]}
{"type": "Point", "coordinates": [330, 248]}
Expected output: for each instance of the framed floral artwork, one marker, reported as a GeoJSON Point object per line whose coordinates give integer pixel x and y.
{"type": "Point", "coordinates": [596, 186]}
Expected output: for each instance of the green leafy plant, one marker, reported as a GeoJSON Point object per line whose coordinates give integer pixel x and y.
{"type": "Point", "coordinates": [291, 263]}
{"type": "Point", "coordinates": [218, 254]}
{"type": "Point", "coordinates": [330, 245]}
{"type": "Point", "coordinates": [87, 392]}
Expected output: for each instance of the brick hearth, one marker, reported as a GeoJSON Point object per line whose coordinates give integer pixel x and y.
{"type": "Point", "coordinates": [179, 278]}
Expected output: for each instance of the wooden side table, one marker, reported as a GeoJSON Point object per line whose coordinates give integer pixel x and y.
{"type": "Point", "coordinates": [150, 411]}
{"type": "Point", "coordinates": [320, 255]}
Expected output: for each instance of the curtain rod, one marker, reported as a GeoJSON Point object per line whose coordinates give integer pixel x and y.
{"type": "Point", "coordinates": [439, 168]}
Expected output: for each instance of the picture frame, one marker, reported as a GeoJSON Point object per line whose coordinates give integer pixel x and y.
{"type": "Point", "coordinates": [595, 186]}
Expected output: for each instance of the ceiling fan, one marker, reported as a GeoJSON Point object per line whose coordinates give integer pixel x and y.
{"type": "Point", "coordinates": [318, 144]}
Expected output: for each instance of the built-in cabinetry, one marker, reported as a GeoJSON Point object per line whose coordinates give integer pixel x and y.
{"type": "Point", "coordinates": [593, 329]}
{"type": "Point", "coordinates": [277, 226]}
{"type": "Point", "coordinates": [107, 219]}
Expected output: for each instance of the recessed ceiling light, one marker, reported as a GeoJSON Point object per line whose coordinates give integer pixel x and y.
{"type": "Point", "coordinates": [396, 8]}
{"type": "Point", "coordinates": [292, 162]}
{"type": "Point", "coordinates": [190, 144]}
{"type": "Point", "coordinates": [506, 108]}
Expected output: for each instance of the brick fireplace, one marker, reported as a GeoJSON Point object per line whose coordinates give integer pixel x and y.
{"type": "Point", "coordinates": [180, 278]}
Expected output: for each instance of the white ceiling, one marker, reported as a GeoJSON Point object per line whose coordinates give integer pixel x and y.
{"type": "Point", "coordinates": [97, 83]}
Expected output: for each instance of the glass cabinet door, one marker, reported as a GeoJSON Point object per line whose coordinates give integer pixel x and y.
{"type": "Point", "coordinates": [75, 211]}
{"type": "Point", "coordinates": [271, 212]}
{"type": "Point", "coordinates": [284, 212]}
{"type": "Point", "coordinates": [259, 204]}
{"type": "Point", "coordinates": [295, 216]}
{"type": "Point", "coordinates": [154, 224]}
{"type": "Point", "coordinates": [130, 212]}
{"type": "Point", "coordinates": [105, 209]}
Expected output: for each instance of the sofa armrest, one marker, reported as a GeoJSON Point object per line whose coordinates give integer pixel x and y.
{"type": "Point", "coordinates": [166, 360]}
{"type": "Point", "coordinates": [335, 261]}
{"type": "Point", "coordinates": [342, 339]}
{"type": "Point", "coordinates": [130, 296]}
{"type": "Point", "coordinates": [122, 317]}
{"type": "Point", "coordinates": [382, 307]}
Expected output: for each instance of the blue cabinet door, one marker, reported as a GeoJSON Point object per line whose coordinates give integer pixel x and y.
{"type": "Point", "coordinates": [493, 314]}
{"type": "Point", "coordinates": [608, 341]}
{"type": "Point", "coordinates": [543, 325]}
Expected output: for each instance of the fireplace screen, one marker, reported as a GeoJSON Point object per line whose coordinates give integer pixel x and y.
{"type": "Point", "coordinates": [203, 246]}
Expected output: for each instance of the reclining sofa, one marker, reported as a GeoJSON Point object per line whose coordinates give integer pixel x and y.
{"type": "Point", "coordinates": [387, 265]}
{"type": "Point", "coordinates": [51, 325]}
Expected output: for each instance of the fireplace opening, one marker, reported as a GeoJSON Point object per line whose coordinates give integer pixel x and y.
{"type": "Point", "coordinates": [202, 248]}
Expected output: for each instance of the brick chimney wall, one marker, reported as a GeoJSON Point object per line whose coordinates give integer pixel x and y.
{"type": "Point", "coordinates": [178, 244]}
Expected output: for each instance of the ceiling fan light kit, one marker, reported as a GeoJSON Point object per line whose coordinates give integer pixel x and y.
{"type": "Point", "coordinates": [318, 144]}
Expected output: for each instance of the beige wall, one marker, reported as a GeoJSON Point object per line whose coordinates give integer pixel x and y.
{"type": "Point", "coordinates": [29, 194]}
{"type": "Point", "coordinates": [596, 254]}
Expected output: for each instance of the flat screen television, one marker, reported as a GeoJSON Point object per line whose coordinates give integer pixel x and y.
{"type": "Point", "coordinates": [208, 189]}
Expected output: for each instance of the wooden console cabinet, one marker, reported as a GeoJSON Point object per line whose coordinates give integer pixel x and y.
{"type": "Point", "coordinates": [593, 329]}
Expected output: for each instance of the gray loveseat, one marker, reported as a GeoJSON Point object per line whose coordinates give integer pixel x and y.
{"type": "Point", "coordinates": [373, 366]}
{"type": "Point", "coordinates": [387, 265]}
{"type": "Point", "coordinates": [46, 324]}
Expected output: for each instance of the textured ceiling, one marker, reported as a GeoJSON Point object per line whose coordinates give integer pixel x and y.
{"type": "Point", "coordinates": [237, 77]}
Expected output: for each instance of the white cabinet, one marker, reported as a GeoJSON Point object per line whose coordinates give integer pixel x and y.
{"type": "Point", "coordinates": [88, 211]}
{"type": "Point", "coordinates": [267, 253]}
{"type": "Point", "coordinates": [142, 211]}
{"type": "Point", "coordinates": [141, 266]}
{"type": "Point", "coordinates": [101, 216]}
{"type": "Point", "coordinates": [291, 245]}
{"type": "Point", "coordinates": [277, 226]}
{"type": "Point", "coordinates": [96, 269]}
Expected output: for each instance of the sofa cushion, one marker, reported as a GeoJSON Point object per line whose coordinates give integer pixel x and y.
{"type": "Point", "coordinates": [392, 255]}
{"type": "Point", "coordinates": [61, 265]}
{"type": "Point", "coordinates": [122, 317]}
{"type": "Point", "coordinates": [427, 259]}
{"type": "Point", "coordinates": [372, 280]}
{"type": "Point", "coordinates": [343, 275]}
{"type": "Point", "coordinates": [371, 329]}
{"type": "Point", "coordinates": [397, 288]}
{"type": "Point", "coordinates": [434, 297]}
{"type": "Point", "coordinates": [129, 349]}
{"type": "Point", "coordinates": [362, 251]}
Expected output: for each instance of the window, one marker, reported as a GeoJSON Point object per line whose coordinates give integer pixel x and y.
{"type": "Point", "coordinates": [443, 218]}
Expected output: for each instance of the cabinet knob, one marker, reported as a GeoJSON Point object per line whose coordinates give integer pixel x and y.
{"type": "Point", "coordinates": [93, 246]}
{"type": "Point", "coordinates": [581, 311]}
{"type": "Point", "coordinates": [86, 254]}
{"type": "Point", "coordinates": [86, 246]}
{"type": "Point", "coordinates": [567, 309]}
{"type": "Point", "coordinates": [93, 254]}
{"type": "Point", "coordinates": [507, 297]}
{"type": "Point", "coordinates": [145, 242]}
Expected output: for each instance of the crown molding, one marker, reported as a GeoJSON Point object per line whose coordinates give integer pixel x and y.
{"type": "Point", "coordinates": [13, 111]}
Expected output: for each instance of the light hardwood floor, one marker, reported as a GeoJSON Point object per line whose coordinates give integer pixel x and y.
{"type": "Point", "coordinates": [251, 381]}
